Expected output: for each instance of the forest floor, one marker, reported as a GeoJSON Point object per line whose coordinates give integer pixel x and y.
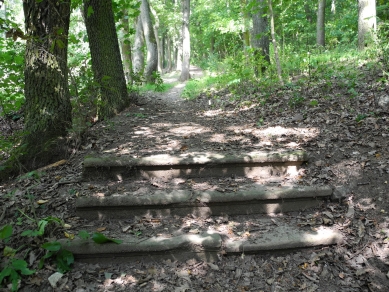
{"type": "Point", "coordinates": [345, 135]}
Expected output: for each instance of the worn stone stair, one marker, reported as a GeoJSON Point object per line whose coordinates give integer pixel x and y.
{"type": "Point", "coordinates": [194, 164]}
{"type": "Point", "coordinates": [206, 245]}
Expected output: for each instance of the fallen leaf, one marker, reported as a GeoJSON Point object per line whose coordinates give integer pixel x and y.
{"type": "Point", "coordinates": [41, 202]}
{"type": "Point", "coordinates": [101, 229]}
{"type": "Point", "coordinates": [69, 235]}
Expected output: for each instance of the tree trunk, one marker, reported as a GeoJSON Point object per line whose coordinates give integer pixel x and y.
{"type": "Point", "coordinates": [169, 54]}
{"type": "Point", "coordinates": [139, 57]}
{"type": "Point", "coordinates": [185, 41]}
{"type": "Point", "coordinates": [151, 43]}
{"type": "Point", "coordinates": [47, 111]}
{"type": "Point", "coordinates": [333, 6]}
{"type": "Point", "coordinates": [260, 37]}
{"type": "Point", "coordinates": [273, 36]}
{"type": "Point", "coordinates": [320, 26]}
{"type": "Point", "coordinates": [367, 22]}
{"type": "Point", "coordinates": [178, 52]}
{"type": "Point", "coordinates": [126, 47]}
{"type": "Point", "coordinates": [159, 44]}
{"type": "Point", "coordinates": [106, 61]}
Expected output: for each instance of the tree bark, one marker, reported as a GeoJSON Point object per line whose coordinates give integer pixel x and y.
{"type": "Point", "coordinates": [151, 43]}
{"type": "Point", "coordinates": [260, 37]}
{"type": "Point", "coordinates": [185, 41]}
{"type": "Point", "coordinates": [273, 36]}
{"type": "Point", "coordinates": [139, 57]}
{"type": "Point", "coordinates": [320, 26]}
{"type": "Point", "coordinates": [126, 47]}
{"type": "Point", "coordinates": [106, 60]}
{"type": "Point", "coordinates": [367, 22]}
{"type": "Point", "coordinates": [158, 41]}
{"type": "Point", "coordinates": [47, 111]}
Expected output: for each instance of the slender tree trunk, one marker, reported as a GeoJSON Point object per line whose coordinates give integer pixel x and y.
{"type": "Point", "coordinates": [260, 37]}
{"type": "Point", "coordinates": [185, 41]}
{"type": "Point", "coordinates": [246, 32]}
{"type": "Point", "coordinates": [159, 44]}
{"type": "Point", "coordinates": [106, 60]}
{"type": "Point", "coordinates": [308, 11]}
{"type": "Point", "coordinates": [273, 36]}
{"type": "Point", "coordinates": [333, 7]}
{"type": "Point", "coordinates": [320, 26]}
{"type": "Point", "coordinates": [367, 22]}
{"type": "Point", "coordinates": [169, 54]}
{"type": "Point", "coordinates": [151, 42]}
{"type": "Point", "coordinates": [126, 47]}
{"type": "Point", "coordinates": [139, 57]}
{"type": "Point", "coordinates": [47, 113]}
{"type": "Point", "coordinates": [178, 52]}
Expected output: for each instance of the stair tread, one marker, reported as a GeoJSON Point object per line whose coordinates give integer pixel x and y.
{"type": "Point", "coordinates": [206, 245]}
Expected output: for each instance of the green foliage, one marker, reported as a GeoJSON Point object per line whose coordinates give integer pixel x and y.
{"type": "Point", "coordinates": [98, 237]}
{"type": "Point", "coordinates": [360, 117]}
{"type": "Point", "coordinates": [62, 257]}
{"type": "Point", "coordinates": [13, 270]}
{"type": "Point", "coordinates": [5, 233]}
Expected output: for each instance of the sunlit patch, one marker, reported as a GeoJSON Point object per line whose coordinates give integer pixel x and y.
{"type": "Point", "coordinates": [212, 113]}
{"type": "Point", "coordinates": [189, 129]}
{"type": "Point", "coordinates": [217, 138]}
{"type": "Point", "coordinates": [366, 204]}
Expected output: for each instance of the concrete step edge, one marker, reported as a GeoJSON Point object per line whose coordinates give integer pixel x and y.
{"type": "Point", "coordinates": [194, 158]}
{"type": "Point", "coordinates": [206, 246]}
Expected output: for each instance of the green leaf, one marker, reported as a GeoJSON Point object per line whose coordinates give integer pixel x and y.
{"type": "Point", "coordinates": [5, 273]}
{"type": "Point", "coordinates": [64, 259]}
{"type": "Point", "coordinates": [41, 225]}
{"type": "Point", "coordinates": [90, 11]}
{"type": "Point", "coordinates": [6, 232]}
{"type": "Point", "coordinates": [84, 235]}
{"type": "Point", "coordinates": [9, 251]}
{"type": "Point", "coordinates": [14, 277]}
{"type": "Point", "coordinates": [60, 31]}
{"type": "Point", "coordinates": [101, 238]}
{"type": "Point", "coordinates": [19, 60]}
{"type": "Point", "coordinates": [52, 246]}
{"type": "Point", "coordinates": [60, 44]}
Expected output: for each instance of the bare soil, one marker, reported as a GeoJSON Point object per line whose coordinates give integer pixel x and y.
{"type": "Point", "coordinates": [346, 137]}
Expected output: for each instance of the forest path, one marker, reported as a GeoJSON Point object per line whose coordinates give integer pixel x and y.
{"type": "Point", "coordinates": [173, 95]}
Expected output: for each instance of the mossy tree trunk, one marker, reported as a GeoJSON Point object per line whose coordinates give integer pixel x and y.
{"type": "Point", "coordinates": [260, 37]}
{"type": "Point", "coordinates": [106, 60]}
{"type": "Point", "coordinates": [47, 109]}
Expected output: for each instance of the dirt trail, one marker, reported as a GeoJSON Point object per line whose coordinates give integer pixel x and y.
{"type": "Point", "coordinates": [351, 156]}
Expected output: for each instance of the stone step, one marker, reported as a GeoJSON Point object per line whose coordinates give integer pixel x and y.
{"type": "Point", "coordinates": [258, 199]}
{"type": "Point", "coordinates": [195, 164]}
{"type": "Point", "coordinates": [206, 246]}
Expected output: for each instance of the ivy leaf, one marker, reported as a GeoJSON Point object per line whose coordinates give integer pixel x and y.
{"type": "Point", "coordinates": [90, 11]}
{"type": "Point", "coordinates": [60, 44]}
{"type": "Point", "coordinates": [52, 246]}
{"type": "Point", "coordinates": [101, 238]}
{"type": "Point", "coordinates": [64, 259]}
{"type": "Point", "coordinates": [6, 232]}
{"type": "Point", "coordinates": [84, 235]}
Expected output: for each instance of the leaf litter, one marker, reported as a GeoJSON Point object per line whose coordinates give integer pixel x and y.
{"type": "Point", "coordinates": [348, 152]}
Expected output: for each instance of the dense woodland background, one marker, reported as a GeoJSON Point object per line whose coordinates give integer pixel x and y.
{"type": "Point", "coordinates": [67, 65]}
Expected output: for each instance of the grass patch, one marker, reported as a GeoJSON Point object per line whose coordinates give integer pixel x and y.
{"type": "Point", "coordinates": [195, 87]}
{"type": "Point", "coordinates": [160, 88]}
